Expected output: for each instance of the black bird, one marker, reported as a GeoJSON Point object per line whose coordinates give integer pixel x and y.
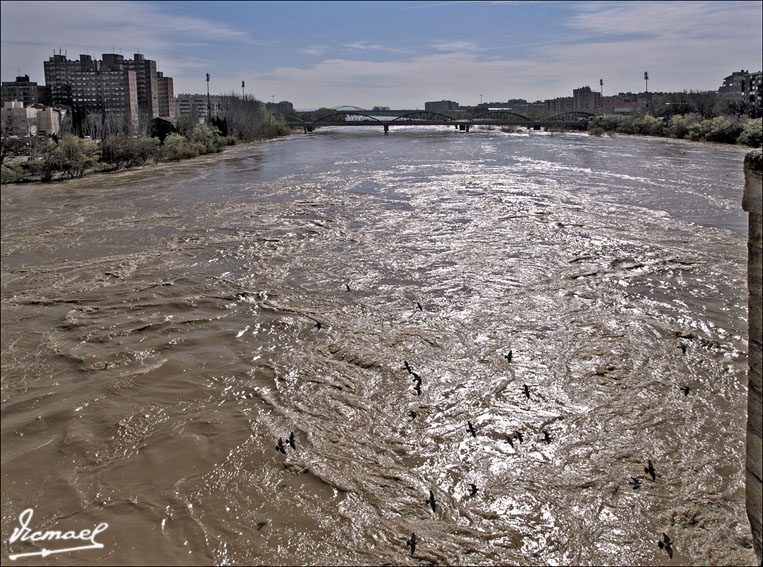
{"type": "Point", "coordinates": [686, 390]}
{"type": "Point", "coordinates": [419, 306]}
{"type": "Point", "coordinates": [431, 502]}
{"type": "Point", "coordinates": [291, 440]}
{"type": "Point", "coordinates": [417, 387]}
{"type": "Point", "coordinates": [666, 544]}
{"type": "Point", "coordinates": [416, 377]}
{"type": "Point", "coordinates": [546, 437]}
{"type": "Point", "coordinates": [509, 356]}
{"type": "Point", "coordinates": [261, 525]}
{"type": "Point", "coordinates": [280, 446]}
{"type": "Point", "coordinates": [412, 543]}
{"type": "Point", "coordinates": [412, 414]}
{"type": "Point", "coordinates": [318, 325]}
{"type": "Point", "coordinates": [347, 286]}
{"type": "Point", "coordinates": [474, 489]}
{"type": "Point", "coordinates": [527, 391]}
{"type": "Point", "coordinates": [408, 367]}
{"type": "Point", "coordinates": [650, 470]}
{"type": "Point", "coordinates": [471, 429]}
{"type": "Point", "coordinates": [518, 435]}
{"type": "Point", "coordinates": [635, 482]}
{"type": "Point", "coordinates": [508, 438]}
{"type": "Point", "coordinates": [683, 348]}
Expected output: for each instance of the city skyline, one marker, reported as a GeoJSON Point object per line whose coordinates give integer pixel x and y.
{"type": "Point", "coordinates": [398, 54]}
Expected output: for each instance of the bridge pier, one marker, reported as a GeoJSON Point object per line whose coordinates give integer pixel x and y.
{"type": "Point", "coordinates": [463, 127]}
{"type": "Point", "coordinates": [386, 128]}
{"type": "Point", "coordinates": [308, 129]}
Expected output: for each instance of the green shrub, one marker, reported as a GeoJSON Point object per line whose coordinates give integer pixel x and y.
{"type": "Point", "coordinates": [76, 155]}
{"type": "Point", "coordinates": [752, 135]}
{"type": "Point", "coordinates": [177, 147]}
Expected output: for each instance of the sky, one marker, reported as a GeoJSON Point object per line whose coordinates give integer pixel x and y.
{"type": "Point", "coordinates": [398, 54]}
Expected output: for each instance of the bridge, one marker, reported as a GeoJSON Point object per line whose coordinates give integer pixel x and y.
{"type": "Point", "coordinates": [354, 116]}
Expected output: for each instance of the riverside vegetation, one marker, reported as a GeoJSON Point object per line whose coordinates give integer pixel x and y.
{"type": "Point", "coordinates": [108, 147]}
{"type": "Point", "coordinates": [727, 129]}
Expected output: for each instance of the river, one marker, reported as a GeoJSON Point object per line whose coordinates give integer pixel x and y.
{"type": "Point", "coordinates": [163, 328]}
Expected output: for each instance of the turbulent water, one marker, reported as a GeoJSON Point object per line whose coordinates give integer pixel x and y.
{"type": "Point", "coordinates": [163, 328]}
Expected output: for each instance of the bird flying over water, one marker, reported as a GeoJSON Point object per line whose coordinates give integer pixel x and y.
{"type": "Point", "coordinates": [686, 390]}
{"type": "Point", "coordinates": [408, 367]}
{"type": "Point", "coordinates": [347, 286]}
{"type": "Point", "coordinates": [261, 525]}
{"type": "Point", "coordinates": [417, 387]}
{"type": "Point", "coordinates": [683, 347]}
{"type": "Point", "coordinates": [509, 356]}
{"type": "Point", "coordinates": [666, 544]}
{"type": "Point", "coordinates": [474, 489]}
{"type": "Point", "coordinates": [291, 440]}
{"type": "Point", "coordinates": [412, 543]}
{"type": "Point", "coordinates": [280, 447]}
{"type": "Point", "coordinates": [419, 306]}
{"type": "Point", "coordinates": [471, 429]}
{"type": "Point", "coordinates": [650, 470]}
{"type": "Point", "coordinates": [518, 435]}
{"type": "Point", "coordinates": [508, 438]}
{"type": "Point", "coordinates": [635, 482]}
{"type": "Point", "coordinates": [527, 391]}
{"type": "Point", "coordinates": [431, 501]}
{"type": "Point", "coordinates": [412, 414]}
{"type": "Point", "coordinates": [546, 437]}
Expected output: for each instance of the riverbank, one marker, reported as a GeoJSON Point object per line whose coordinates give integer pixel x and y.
{"type": "Point", "coordinates": [75, 157]}
{"type": "Point", "coordinates": [739, 130]}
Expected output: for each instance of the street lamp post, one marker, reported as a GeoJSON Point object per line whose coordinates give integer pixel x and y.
{"type": "Point", "coordinates": [208, 106]}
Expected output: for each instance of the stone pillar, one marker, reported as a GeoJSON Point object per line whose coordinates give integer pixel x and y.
{"type": "Point", "coordinates": [752, 202]}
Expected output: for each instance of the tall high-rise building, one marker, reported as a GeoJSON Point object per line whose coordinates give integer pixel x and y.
{"type": "Point", "coordinates": [111, 86]}
{"type": "Point", "coordinates": [165, 95]}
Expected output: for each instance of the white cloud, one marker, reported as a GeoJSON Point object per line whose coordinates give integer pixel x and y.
{"type": "Point", "coordinates": [102, 27]}
{"type": "Point", "coordinates": [456, 46]}
{"type": "Point", "coordinates": [315, 50]}
{"type": "Point", "coordinates": [364, 45]}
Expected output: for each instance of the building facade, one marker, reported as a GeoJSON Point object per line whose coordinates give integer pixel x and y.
{"type": "Point", "coordinates": [282, 106]}
{"type": "Point", "coordinates": [165, 95]}
{"type": "Point", "coordinates": [196, 104]}
{"type": "Point", "coordinates": [114, 87]}
{"type": "Point", "coordinates": [24, 90]}
{"type": "Point", "coordinates": [743, 89]}
{"type": "Point", "coordinates": [586, 100]}
{"type": "Point", "coordinates": [440, 105]}
{"type": "Point", "coordinates": [25, 121]}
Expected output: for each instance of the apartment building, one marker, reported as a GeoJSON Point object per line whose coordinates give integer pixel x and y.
{"type": "Point", "coordinates": [440, 105]}
{"type": "Point", "coordinates": [24, 90]}
{"type": "Point", "coordinates": [196, 104]}
{"type": "Point", "coordinates": [24, 121]}
{"type": "Point", "coordinates": [165, 95]}
{"type": "Point", "coordinates": [282, 106]}
{"type": "Point", "coordinates": [111, 86]}
{"type": "Point", "coordinates": [744, 89]}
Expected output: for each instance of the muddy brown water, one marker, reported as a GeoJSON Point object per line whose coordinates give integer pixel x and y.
{"type": "Point", "coordinates": [163, 328]}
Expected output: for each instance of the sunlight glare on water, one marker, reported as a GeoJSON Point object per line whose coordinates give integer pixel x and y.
{"type": "Point", "coordinates": [164, 328]}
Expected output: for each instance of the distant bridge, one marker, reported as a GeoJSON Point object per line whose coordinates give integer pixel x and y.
{"type": "Point", "coordinates": [354, 116]}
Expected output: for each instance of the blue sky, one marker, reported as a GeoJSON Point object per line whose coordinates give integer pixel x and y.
{"type": "Point", "coordinates": [399, 54]}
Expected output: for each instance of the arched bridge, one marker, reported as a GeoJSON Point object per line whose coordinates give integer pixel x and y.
{"type": "Point", "coordinates": [354, 116]}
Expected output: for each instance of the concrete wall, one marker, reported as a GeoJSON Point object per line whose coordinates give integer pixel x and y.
{"type": "Point", "coordinates": [752, 202]}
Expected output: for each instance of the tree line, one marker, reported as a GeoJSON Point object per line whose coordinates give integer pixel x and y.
{"type": "Point", "coordinates": [94, 142]}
